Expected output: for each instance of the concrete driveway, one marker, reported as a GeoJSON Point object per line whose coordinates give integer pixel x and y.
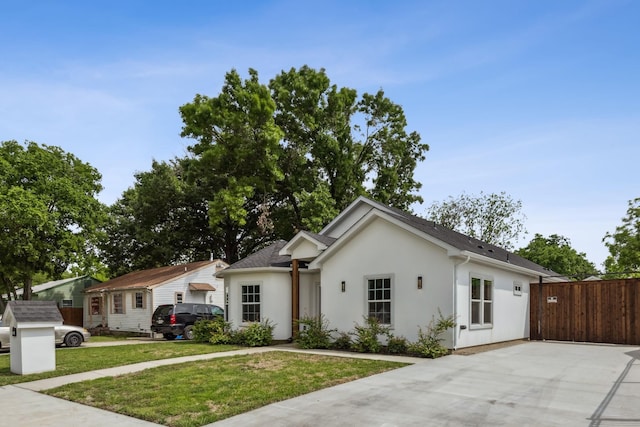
{"type": "Point", "coordinates": [532, 384]}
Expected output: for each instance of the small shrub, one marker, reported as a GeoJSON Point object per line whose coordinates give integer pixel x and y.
{"type": "Point", "coordinates": [366, 336]}
{"type": "Point", "coordinates": [343, 342]}
{"type": "Point", "coordinates": [429, 342]}
{"type": "Point", "coordinates": [255, 335]}
{"type": "Point", "coordinates": [397, 345]}
{"type": "Point", "coordinates": [315, 332]}
{"type": "Point", "coordinates": [215, 331]}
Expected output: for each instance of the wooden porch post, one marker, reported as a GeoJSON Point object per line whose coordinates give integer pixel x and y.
{"type": "Point", "coordinates": [295, 296]}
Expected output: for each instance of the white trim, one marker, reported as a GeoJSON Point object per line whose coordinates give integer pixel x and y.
{"type": "Point", "coordinates": [392, 280]}
{"type": "Point", "coordinates": [296, 240]}
{"type": "Point", "coordinates": [483, 278]}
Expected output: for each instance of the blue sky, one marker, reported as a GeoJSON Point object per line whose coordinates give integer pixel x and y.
{"type": "Point", "coordinates": [540, 99]}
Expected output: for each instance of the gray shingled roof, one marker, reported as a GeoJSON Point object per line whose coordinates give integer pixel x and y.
{"type": "Point", "coordinates": [465, 243]}
{"type": "Point", "coordinates": [266, 257]}
{"type": "Point", "coordinates": [321, 238]}
{"type": "Point", "coordinates": [34, 311]}
{"type": "Point", "coordinates": [269, 257]}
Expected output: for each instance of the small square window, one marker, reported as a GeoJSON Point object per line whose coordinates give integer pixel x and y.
{"type": "Point", "coordinates": [67, 303]}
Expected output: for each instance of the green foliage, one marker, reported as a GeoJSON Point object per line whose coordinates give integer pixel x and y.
{"type": "Point", "coordinates": [161, 220]}
{"type": "Point", "coordinates": [624, 243]}
{"type": "Point", "coordinates": [366, 337]}
{"type": "Point", "coordinates": [556, 253]}
{"type": "Point", "coordinates": [49, 213]}
{"type": "Point", "coordinates": [255, 335]}
{"type": "Point", "coordinates": [493, 218]}
{"type": "Point", "coordinates": [397, 345]}
{"type": "Point", "coordinates": [429, 342]}
{"type": "Point", "coordinates": [343, 342]}
{"type": "Point", "coordinates": [216, 331]}
{"type": "Point", "coordinates": [315, 332]}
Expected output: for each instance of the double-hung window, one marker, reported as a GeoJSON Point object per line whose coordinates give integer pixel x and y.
{"type": "Point", "coordinates": [138, 300]}
{"type": "Point", "coordinates": [379, 299]}
{"type": "Point", "coordinates": [118, 306]}
{"type": "Point", "coordinates": [251, 303]}
{"type": "Point", "coordinates": [481, 301]}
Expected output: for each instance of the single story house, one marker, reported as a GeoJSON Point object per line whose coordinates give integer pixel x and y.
{"type": "Point", "coordinates": [65, 292]}
{"type": "Point", "coordinates": [68, 294]}
{"type": "Point", "coordinates": [376, 261]}
{"type": "Point", "coordinates": [126, 303]}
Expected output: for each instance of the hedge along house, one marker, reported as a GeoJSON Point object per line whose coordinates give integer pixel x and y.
{"type": "Point", "coordinates": [376, 261]}
{"type": "Point", "coordinates": [126, 303]}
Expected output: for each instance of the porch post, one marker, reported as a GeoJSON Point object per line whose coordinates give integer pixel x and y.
{"type": "Point", "coordinates": [295, 296]}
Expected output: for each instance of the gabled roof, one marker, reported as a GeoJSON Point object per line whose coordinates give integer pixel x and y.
{"type": "Point", "coordinates": [452, 238]}
{"type": "Point", "coordinates": [48, 285]}
{"type": "Point", "coordinates": [321, 241]}
{"type": "Point", "coordinates": [265, 258]}
{"type": "Point", "coordinates": [32, 312]}
{"type": "Point", "coordinates": [150, 278]}
{"type": "Point", "coordinates": [456, 244]}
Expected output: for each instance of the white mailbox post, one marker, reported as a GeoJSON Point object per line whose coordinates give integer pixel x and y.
{"type": "Point", "coordinates": [32, 335]}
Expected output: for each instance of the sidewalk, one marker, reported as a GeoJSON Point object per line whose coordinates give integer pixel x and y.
{"type": "Point", "coordinates": [22, 405]}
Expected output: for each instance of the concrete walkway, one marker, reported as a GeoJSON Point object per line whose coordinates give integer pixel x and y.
{"type": "Point", "coordinates": [532, 384]}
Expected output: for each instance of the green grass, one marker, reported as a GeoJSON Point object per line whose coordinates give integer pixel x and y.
{"type": "Point", "coordinates": [74, 360]}
{"type": "Point", "coordinates": [106, 338]}
{"type": "Point", "coordinates": [197, 393]}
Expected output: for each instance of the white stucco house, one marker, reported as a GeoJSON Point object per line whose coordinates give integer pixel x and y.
{"type": "Point", "coordinates": [126, 303]}
{"type": "Point", "coordinates": [374, 260]}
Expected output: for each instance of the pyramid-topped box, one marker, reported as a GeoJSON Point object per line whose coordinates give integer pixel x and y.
{"type": "Point", "coordinates": [32, 335]}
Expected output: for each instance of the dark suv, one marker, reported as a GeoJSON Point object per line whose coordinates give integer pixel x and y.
{"type": "Point", "coordinates": [172, 320]}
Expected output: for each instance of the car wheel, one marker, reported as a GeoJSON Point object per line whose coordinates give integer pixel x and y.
{"type": "Point", "coordinates": [169, 337]}
{"type": "Point", "coordinates": [188, 333]}
{"type": "Point", "coordinates": [73, 339]}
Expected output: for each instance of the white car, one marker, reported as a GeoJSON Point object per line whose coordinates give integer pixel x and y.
{"type": "Point", "coordinates": [69, 335]}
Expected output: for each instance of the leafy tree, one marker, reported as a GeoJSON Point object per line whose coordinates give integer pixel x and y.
{"type": "Point", "coordinates": [236, 149]}
{"type": "Point", "coordinates": [161, 220]}
{"type": "Point", "coordinates": [337, 146]}
{"type": "Point", "coordinates": [555, 252]}
{"type": "Point", "coordinates": [492, 218]}
{"type": "Point", "coordinates": [624, 243]}
{"type": "Point", "coordinates": [49, 214]}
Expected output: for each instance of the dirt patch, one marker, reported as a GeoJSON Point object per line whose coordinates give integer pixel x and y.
{"type": "Point", "coordinates": [488, 347]}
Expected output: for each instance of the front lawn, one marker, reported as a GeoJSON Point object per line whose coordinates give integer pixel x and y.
{"type": "Point", "coordinates": [74, 360]}
{"type": "Point", "coordinates": [197, 393]}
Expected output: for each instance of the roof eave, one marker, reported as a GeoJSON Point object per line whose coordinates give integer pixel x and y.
{"type": "Point", "coordinates": [225, 272]}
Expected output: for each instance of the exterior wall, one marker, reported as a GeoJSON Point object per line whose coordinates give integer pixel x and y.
{"type": "Point", "coordinates": [275, 299]}
{"type": "Point", "coordinates": [133, 319]}
{"type": "Point", "coordinates": [309, 294]}
{"type": "Point", "coordinates": [386, 249]}
{"type": "Point", "coordinates": [349, 220]}
{"type": "Point", "coordinates": [305, 250]}
{"type": "Point", "coordinates": [73, 290]}
{"type": "Point", "coordinates": [510, 312]}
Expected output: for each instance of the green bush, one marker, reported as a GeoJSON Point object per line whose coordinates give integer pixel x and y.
{"type": "Point", "coordinates": [366, 336]}
{"type": "Point", "coordinates": [397, 345]}
{"type": "Point", "coordinates": [343, 342]}
{"type": "Point", "coordinates": [315, 332]}
{"type": "Point", "coordinates": [215, 331]}
{"type": "Point", "coordinates": [255, 335]}
{"type": "Point", "coordinates": [429, 342]}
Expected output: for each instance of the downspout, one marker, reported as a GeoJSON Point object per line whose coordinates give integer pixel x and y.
{"type": "Point", "coordinates": [455, 298]}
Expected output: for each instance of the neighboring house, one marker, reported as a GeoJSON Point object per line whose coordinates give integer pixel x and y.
{"type": "Point", "coordinates": [126, 303]}
{"type": "Point", "coordinates": [65, 292]}
{"type": "Point", "coordinates": [376, 261]}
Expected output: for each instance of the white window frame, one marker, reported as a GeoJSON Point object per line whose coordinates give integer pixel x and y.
{"type": "Point", "coordinates": [481, 301]}
{"type": "Point", "coordinates": [65, 303]}
{"type": "Point", "coordinates": [93, 299]}
{"type": "Point", "coordinates": [383, 300]}
{"type": "Point", "coordinates": [179, 297]}
{"type": "Point", "coordinates": [134, 301]}
{"type": "Point", "coordinates": [253, 302]}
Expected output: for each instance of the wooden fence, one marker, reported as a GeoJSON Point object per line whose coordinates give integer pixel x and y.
{"type": "Point", "coordinates": [72, 316]}
{"type": "Point", "coordinates": [600, 311]}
